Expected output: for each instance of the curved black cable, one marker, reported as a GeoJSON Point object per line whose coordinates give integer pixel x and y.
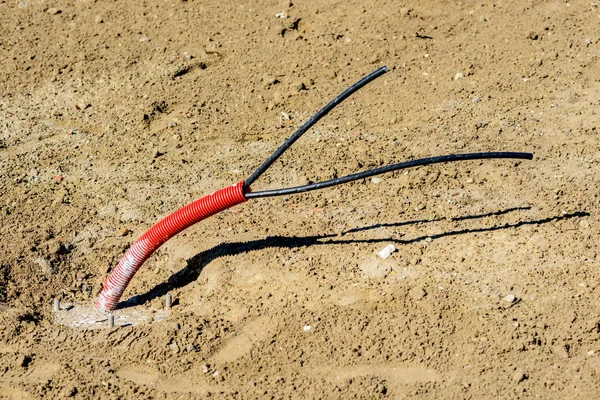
{"type": "Point", "coordinates": [313, 120]}
{"type": "Point", "coordinates": [388, 168]}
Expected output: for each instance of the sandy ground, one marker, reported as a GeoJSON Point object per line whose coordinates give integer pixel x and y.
{"type": "Point", "coordinates": [115, 114]}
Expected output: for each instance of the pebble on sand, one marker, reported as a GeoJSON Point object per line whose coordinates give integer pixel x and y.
{"type": "Point", "coordinates": [417, 293]}
{"type": "Point", "coordinates": [510, 298]}
{"type": "Point", "coordinates": [387, 251]}
{"type": "Point", "coordinates": [53, 11]}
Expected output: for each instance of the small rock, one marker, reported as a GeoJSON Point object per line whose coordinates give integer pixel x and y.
{"type": "Point", "coordinates": [376, 180]}
{"type": "Point", "coordinates": [417, 293]}
{"type": "Point", "coordinates": [145, 39]}
{"type": "Point", "coordinates": [123, 231]}
{"type": "Point", "coordinates": [476, 99]}
{"type": "Point", "coordinates": [519, 376]}
{"type": "Point", "coordinates": [510, 298]}
{"type": "Point", "coordinates": [584, 224]}
{"type": "Point", "coordinates": [205, 368]}
{"type": "Point", "coordinates": [481, 124]}
{"type": "Point", "coordinates": [98, 19]}
{"type": "Point", "coordinates": [404, 12]}
{"type": "Point", "coordinates": [532, 35]}
{"type": "Point", "coordinates": [53, 11]}
{"type": "Point", "coordinates": [387, 251]}
{"type": "Point", "coordinates": [86, 289]}
{"type": "Point", "coordinates": [82, 106]}
{"type": "Point", "coordinates": [55, 247]}
{"type": "Point", "coordinates": [44, 265]}
{"type": "Point", "coordinates": [299, 86]}
{"type": "Point", "coordinates": [560, 351]}
{"type": "Point", "coordinates": [216, 373]}
{"type": "Point", "coordinates": [174, 347]}
{"type": "Point", "coordinates": [69, 391]}
{"type": "Point", "coordinates": [459, 75]}
{"type": "Point", "coordinates": [190, 347]}
{"type": "Point", "coordinates": [281, 14]}
{"type": "Point", "coordinates": [588, 41]}
{"type": "Point", "coordinates": [307, 328]}
{"type": "Point", "coordinates": [591, 353]}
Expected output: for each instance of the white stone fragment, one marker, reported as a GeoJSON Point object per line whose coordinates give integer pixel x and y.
{"type": "Point", "coordinates": [387, 251]}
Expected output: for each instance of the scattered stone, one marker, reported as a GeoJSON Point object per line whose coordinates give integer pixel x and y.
{"type": "Point", "coordinates": [190, 347]}
{"type": "Point", "coordinates": [174, 347]}
{"type": "Point", "coordinates": [281, 14]}
{"type": "Point", "coordinates": [86, 288]}
{"type": "Point", "coordinates": [584, 224]}
{"type": "Point", "coordinates": [44, 265]}
{"type": "Point", "coordinates": [459, 75]}
{"type": "Point", "coordinates": [376, 180]}
{"type": "Point", "coordinates": [417, 293]}
{"type": "Point", "coordinates": [476, 99]}
{"type": "Point", "coordinates": [405, 12]}
{"type": "Point", "coordinates": [588, 41]}
{"type": "Point", "coordinates": [69, 391]}
{"type": "Point", "coordinates": [205, 368]}
{"type": "Point", "coordinates": [532, 35]}
{"type": "Point", "coordinates": [145, 39]}
{"type": "Point", "coordinates": [98, 19]}
{"type": "Point", "coordinates": [560, 351]}
{"type": "Point", "coordinates": [519, 376]}
{"type": "Point", "coordinates": [216, 373]}
{"type": "Point", "coordinates": [387, 251]}
{"type": "Point", "coordinates": [481, 124]}
{"type": "Point", "coordinates": [299, 86]}
{"type": "Point", "coordinates": [510, 298]}
{"type": "Point", "coordinates": [123, 231]}
{"type": "Point", "coordinates": [591, 353]}
{"type": "Point", "coordinates": [55, 247]}
{"type": "Point", "coordinates": [307, 328]}
{"type": "Point", "coordinates": [82, 106]}
{"type": "Point", "coordinates": [53, 11]}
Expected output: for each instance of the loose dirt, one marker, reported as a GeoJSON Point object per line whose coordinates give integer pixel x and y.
{"type": "Point", "coordinates": [115, 114]}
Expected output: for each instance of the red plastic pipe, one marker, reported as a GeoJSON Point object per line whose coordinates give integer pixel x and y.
{"type": "Point", "coordinates": [161, 232]}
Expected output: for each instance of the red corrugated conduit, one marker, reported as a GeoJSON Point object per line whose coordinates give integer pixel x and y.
{"type": "Point", "coordinates": [157, 235]}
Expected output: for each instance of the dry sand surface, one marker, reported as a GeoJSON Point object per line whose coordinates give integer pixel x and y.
{"type": "Point", "coordinates": [114, 114]}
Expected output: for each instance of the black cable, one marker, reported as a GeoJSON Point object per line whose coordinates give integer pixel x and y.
{"type": "Point", "coordinates": [313, 120]}
{"type": "Point", "coordinates": [388, 168]}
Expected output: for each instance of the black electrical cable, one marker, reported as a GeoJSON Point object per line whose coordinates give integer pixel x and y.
{"type": "Point", "coordinates": [388, 168]}
{"type": "Point", "coordinates": [313, 120]}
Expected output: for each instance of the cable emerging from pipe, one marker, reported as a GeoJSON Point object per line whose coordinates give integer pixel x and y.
{"type": "Point", "coordinates": [388, 168]}
{"type": "Point", "coordinates": [313, 120]}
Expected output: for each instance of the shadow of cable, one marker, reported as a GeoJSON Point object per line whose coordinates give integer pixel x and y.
{"type": "Point", "coordinates": [196, 264]}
